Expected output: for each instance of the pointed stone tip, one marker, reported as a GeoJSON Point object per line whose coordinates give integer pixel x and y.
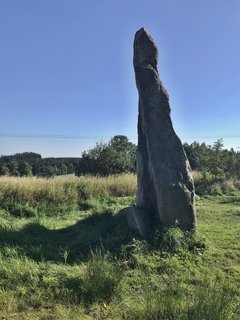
{"type": "Point", "coordinates": [145, 50]}
{"type": "Point", "coordinates": [141, 32]}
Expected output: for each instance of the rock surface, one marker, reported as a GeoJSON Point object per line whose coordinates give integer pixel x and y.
{"type": "Point", "coordinates": [138, 220]}
{"type": "Point", "coordinates": [165, 187]}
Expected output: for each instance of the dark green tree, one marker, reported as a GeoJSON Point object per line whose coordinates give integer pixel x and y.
{"type": "Point", "coordinates": [198, 155]}
{"type": "Point", "coordinates": [232, 163]}
{"type": "Point", "coordinates": [4, 171]}
{"type": "Point", "coordinates": [48, 171]}
{"type": "Point", "coordinates": [70, 168]}
{"type": "Point", "coordinates": [63, 169]}
{"type": "Point", "coordinates": [114, 157]}
{"type": "Point", "coordinates": [25, 169]}
{"type": "Point", "coordinates": [14, 168]}
{"type": "Point", "coordinates": [217, 161]}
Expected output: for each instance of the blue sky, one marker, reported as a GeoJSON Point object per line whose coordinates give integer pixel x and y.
{"type": "Point", "coordinates": [67, 80]}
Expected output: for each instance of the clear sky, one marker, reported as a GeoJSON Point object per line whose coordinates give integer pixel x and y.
{"type": "Point", "coordinates": [67, 80]}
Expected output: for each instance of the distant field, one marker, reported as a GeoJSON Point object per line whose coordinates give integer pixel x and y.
{"type": "Point", "coordinates": [65, 256]}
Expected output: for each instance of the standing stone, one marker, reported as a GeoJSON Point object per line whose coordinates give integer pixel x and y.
{"type": "Point", "coordinates": [165, 190]}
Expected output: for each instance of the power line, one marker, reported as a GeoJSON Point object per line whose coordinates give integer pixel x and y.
{"type": "Point", "coordinates": [49, 136]}
{"type": "Point", "coordinates": [60, 136]}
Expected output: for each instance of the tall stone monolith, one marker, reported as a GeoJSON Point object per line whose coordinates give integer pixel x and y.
{"type": "Point", "coordinates": [165, 190]}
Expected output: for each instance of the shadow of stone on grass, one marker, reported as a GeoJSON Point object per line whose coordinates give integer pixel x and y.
{"type": "Point", "coordinates": [41, 244]}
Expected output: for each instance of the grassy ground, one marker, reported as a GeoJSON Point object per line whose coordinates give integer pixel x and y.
{"type": "Point", "coordinates": [71, 258]}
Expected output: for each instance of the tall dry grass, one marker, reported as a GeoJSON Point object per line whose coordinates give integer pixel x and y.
{"type": "Point", "coordinates": [70, 190]}
{"type": "Point", "coordinates": [207, 184]}
{"type": "Point", "coordinates": [64, 190]}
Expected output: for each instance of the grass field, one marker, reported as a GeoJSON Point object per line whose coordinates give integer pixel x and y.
{"type": "Point", "coordinates": [64, 255]}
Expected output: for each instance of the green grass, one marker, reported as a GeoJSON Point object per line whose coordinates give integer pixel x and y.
{"type": "Point", "coordinates": [80, 262]}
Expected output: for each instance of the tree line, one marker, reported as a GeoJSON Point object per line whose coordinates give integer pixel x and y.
{"type": "Point", "coordinates": [32, 164]}
{"type": "Point", "coordinates": [113, 157]}
{"type": "Point", "coordinates": [213, 159]}
{"type": "Point", "coordinates": [118, 156]}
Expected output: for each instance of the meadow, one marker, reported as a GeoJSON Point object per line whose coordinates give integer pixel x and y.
{"type": "Point", "coordinates": [65, 255]}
